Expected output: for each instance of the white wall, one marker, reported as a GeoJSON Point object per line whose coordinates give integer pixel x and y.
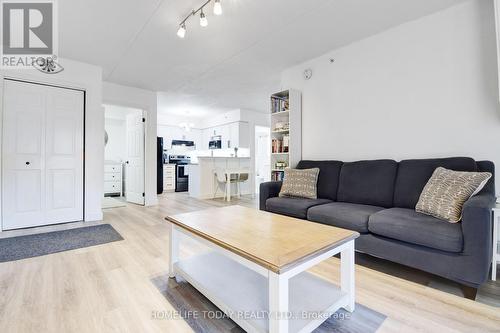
{"type": "Point", "coordinates": [170, 132]}
{"type": "Point", "coordinates": [89, 78]}
{"type": "Point", "coordinates": [254, 118]}
{"type": "Point", "coordinates": [175, 120]}
{"type": "Point", "coordinates": [221, 119]}
{"type": "Point", "coordinates": [115, 149]}
{"type": "Point", "coordinates": [427, 88]}
{"type": "Point", "coordinates": [146, 100]}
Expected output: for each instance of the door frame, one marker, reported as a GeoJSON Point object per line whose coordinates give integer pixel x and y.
{"type": "Point", "coordinates": [32, 79]}
{"type": "Point", "coordinates": [146, 113]}
{"type": "Point", "coordinates": [143, 113]}
{"type": "Point", "coordinates": [255, 139]}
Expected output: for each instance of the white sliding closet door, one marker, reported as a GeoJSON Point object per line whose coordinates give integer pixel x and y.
{"type": "Point", "coordinates": [42, 155]}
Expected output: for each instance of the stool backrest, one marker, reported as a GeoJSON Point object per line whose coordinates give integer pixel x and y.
{"type": "Point", "coordinates": [220, 175]}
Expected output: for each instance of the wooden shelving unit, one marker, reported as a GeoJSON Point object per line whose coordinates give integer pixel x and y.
{"type": "Point", "coordinates": [286, 131]}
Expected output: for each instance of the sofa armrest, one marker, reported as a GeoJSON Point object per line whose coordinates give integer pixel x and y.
{"type": "Point", "coordinates": [477, 227]}
{"type": "Point", "coordinates": [268, 190]}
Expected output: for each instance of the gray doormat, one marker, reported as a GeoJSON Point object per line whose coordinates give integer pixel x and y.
{"type": "Point", "coordinates": [22, 247]}
{"type": "Point", "coordinates": [190, 305]}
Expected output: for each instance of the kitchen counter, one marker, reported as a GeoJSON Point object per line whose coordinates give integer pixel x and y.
{"type": "Point", "coordinates": [221, 157]}
{"type": "Point", "coordinates": [202, 178]}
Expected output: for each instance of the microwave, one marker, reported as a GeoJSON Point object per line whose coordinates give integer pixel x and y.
{"type": "Point", "coordinates": [215, 144]}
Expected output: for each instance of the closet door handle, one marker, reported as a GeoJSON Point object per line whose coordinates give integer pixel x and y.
{"type": "Point", "coordinates": [27, 163]}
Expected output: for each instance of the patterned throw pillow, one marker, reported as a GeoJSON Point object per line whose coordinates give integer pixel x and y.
{"type": "Point", "coordinates": [447, 191]}
{"type": "Point", "coordinates": [300, 183]}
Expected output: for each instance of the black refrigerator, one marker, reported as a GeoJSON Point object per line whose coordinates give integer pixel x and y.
{"type": "Point", "coordinates": [159, 163]}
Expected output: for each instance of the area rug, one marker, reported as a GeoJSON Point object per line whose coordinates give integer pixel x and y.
{"type": "Point", "coordinates": [189, 304]}
{"type": "Point", "coordinates": [22, 247]}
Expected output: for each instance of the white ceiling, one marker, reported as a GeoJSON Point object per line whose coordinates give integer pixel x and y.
{"type": "Point", "coordinates": [236, 61]}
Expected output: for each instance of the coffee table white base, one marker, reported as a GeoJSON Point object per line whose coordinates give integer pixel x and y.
{"type": "Point", "coordinates": [252, 295]}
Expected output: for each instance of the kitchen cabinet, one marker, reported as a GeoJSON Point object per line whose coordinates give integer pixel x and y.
{"type": "Point", "coordinates": [235, 134]}
{"type": "Point", "coordinates": [239, 135]}
{"type": "Point", "coordinates": [169, 178]}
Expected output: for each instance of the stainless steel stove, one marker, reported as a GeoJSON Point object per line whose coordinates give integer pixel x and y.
{"type": "Point", "coordinates": [181, 175]}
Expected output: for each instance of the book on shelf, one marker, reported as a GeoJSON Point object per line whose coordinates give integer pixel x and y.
{"type": "Point", "coordinates": [279, 104]}
{"type": "Point", "coordinates": [277, 176]}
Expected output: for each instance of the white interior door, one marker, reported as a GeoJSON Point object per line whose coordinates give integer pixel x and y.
{"type": "Point", "coordinates": [64, 155]}
{"type": "Point", "coordinates": [134, 167]}
{"type": "Point", "coordinates": [42, 155]}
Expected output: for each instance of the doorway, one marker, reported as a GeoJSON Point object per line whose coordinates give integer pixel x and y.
{"type": "Point", "coordinates": [124, 156]}
{"type": "Point", "coordinates": [262, 156]}
{"type": "Point", "coordinates": [42, 154]}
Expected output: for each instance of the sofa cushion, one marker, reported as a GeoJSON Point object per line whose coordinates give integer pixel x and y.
{"type": "Point", "coordinates": [343, 215]}
{"type": "Point", "coordinates": [295, 207]}
{"type": "Point", "coordinates": [413, 175]}
{"type": "Point", "coordinates": [368, 182]}
{"type": "Point", "coordinates": [328, 179]}
{"type": "Point", "coordinates": [407, 225]}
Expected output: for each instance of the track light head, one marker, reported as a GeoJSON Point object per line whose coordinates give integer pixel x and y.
{"type": "Point", "coordinates": [217, 8]}
{"type": "Point", "coordinates": [182, 30]}
{"type": "Point", "coordinates": [203, 19]}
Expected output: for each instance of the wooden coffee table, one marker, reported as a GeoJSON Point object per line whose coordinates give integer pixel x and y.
{"type": "Point", "coordinates": [255, 270]}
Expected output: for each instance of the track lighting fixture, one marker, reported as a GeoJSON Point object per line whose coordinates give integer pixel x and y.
{"type": "Point", "coordinates": [203, 18]}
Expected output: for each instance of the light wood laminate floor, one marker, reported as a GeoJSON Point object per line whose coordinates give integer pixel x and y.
{"type": "Point", "coordinates": [108, 288]}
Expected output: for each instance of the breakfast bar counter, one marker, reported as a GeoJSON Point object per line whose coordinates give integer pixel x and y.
{"type": "Point", "coordinates": [202, 181]}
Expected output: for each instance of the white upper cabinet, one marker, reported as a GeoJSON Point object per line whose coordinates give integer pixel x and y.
{"type": "Point", "coordinates": [233, 135]}
{"type": "Point", "coordinates": [243, 135]}
{"type": "Point", "coordinates": [239, 135]}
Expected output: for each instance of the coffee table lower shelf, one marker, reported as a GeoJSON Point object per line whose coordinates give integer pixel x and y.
{"type": "Point", "coordinates": [243, 294]}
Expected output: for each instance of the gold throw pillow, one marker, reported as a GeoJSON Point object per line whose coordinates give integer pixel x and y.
{"type": "Point", "coordinates": [300, 183]}
{"type": "Point", "coordinates": [446, 192]}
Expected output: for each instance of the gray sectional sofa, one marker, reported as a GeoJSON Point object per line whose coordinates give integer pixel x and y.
{"type": "Point", "coordinates": [377, 198]}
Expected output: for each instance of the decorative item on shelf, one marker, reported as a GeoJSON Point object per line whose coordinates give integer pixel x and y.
{"type": "Point", "coordinates": [286, 143]}
{"type": "Point", "coordinates": [235, 151]}
{"type": "Point", "coordinates": [286, 105]}
{"type": "Point", "coordinates": [279, 126]}
{"type": "Point", "coordinates": [280, 165]}
{"type": "Point", "coordinates": [203, 18]}
{"type": "Point", "coordinates": [277, 146]}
